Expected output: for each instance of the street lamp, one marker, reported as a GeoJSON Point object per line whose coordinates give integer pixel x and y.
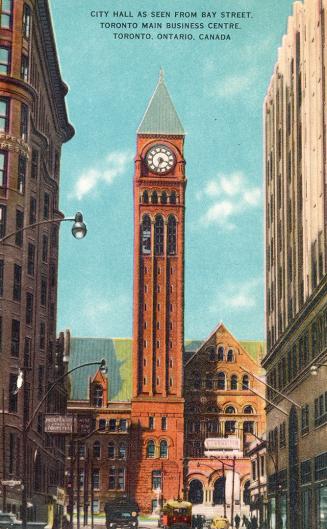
{"type": "Point", "coordinates": [27, 425]}
{"type": "Point", "coordinates": [314, 368]}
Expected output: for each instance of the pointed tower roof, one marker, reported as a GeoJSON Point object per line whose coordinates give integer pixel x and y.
{"type": "Point", "coordinates": [160, 116]}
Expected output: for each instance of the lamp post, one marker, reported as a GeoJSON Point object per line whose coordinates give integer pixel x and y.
{"type": "Point", "coordinates": [314, 368]}
{"type": "Point", "coordinates": [28, 423]}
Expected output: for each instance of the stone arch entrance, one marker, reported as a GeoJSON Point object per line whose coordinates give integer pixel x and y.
{"type": "Point", "coordinates": [219, 491]}
{"type": "Point", "coordinates": [196, 492]}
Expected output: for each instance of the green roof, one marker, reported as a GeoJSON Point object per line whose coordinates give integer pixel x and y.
{"type": "Point", "coordinates": [160, 116]}
{"type": "Point", "coordinates": [117, 353]}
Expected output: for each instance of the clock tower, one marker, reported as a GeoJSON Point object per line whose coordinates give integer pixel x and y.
{"type": "Point", "coordinates": [158, 333]}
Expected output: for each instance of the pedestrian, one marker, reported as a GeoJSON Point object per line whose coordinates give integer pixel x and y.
{"type": "Point", "coordinates": [237, 520]}
{"type": "Point", "coordinates": [254, 524]}
{"type": "Point", "coordinates": [244, 521]}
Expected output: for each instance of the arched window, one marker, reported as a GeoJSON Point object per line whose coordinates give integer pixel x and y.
{"type": "Point", "coordinates": [159, 236]}
{"type": "Point", "coordinates": [212, 354]}
{"type": "Point", "coordinates": [245, 382]}
{"type": "Point", "coordinates": [150, 449]}
{"type": "Point", "coordinates": [248, 409]}
{"type": "Point", "coordinates": [145, 199]}
{"type": "Point", "coordinates": [163, 449]}
{"type": "Point", "coordinates": [96, 449]}
{"type": "Point", "coordinates": [230, 356]}
{"type": "Point", "coordinates": [146, 235]}
{"type": "Point", "coordinates": [209, 381]}
{"type": "Point", "coordinates": [196, 380]}
{"type": "Point", "coordinates": [230, 409]}
{"type": "Point", "coordinates": [233, 382]}
{"type": "Point", "coordinates": [154, 198]}
{"type": "Point", "coordinates": [122, 451]}
{"type": "Point", "coordinates": [164, 198]}
{"type": "Point", "coordinates": [212, 409]}
{"type": "Point", "coordinates": [173, 197]}
{"type": "Point", "coordinates": [171, 235]}
{"type": "Point", "coordinates": [111, 450]}
{"type": "Point", "coordinates": [97, 395]}
{"type": "Point", "coordinates": [221, 380]}
{"type": "Point", "coordinates": [220, 354]}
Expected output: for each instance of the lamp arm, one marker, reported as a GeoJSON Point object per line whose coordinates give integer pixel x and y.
{"type": "Point", "coordinates": [28, 425]}
{"type": "Point", "coordinates": [269, 401]}
{"type": "Point", "coordinates": [35, 225]}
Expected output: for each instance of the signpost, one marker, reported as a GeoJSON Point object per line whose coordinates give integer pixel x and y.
{"type": "Point", "coordinates": [58, 424]}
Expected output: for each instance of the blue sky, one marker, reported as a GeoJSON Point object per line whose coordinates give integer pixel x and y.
{"type": "Point", "coordinates": [218, 89]}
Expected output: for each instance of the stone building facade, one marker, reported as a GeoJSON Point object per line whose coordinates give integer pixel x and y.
{"type": "Point", "coordinates": [33, 127]}
{"type": "Point", "coordinates": [296, 295]}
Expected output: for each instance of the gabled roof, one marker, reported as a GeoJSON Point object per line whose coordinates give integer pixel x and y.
{"type": "Point", "coordinates": [117, 353]}
{"type": "Point", "coordinates": [160, 116]}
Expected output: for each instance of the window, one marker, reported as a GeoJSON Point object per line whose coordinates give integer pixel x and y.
{"type": "Point", "coordinates": [1, 279]}
{"type": "Point", "coordinates": [17, 285]}
{"type": "Point", "coordinates": [122, 425]}
{"type": "Point", "coordinates": [42, 335]}
{"type": "Point", "coordinates": [102, 425]}
{"type": "Point", "coordinates": [173, 198]}
{"type": "Point", "coordinates": [221, 381]}
{"type": "Point", "coordinates": [24, 68]}
{"type": "Point", "coordinates": [156, 479]}
{"type": "Point", "coordinates": [209, 381]}
{"type": "Point", "coordinates": [159, 236]}
{"type": "Point", "coordinates": [171, 236]}
{"type": "Point", "coordinates": [116, 478]}
{"type": "Point", "coordinates": [154, 198]}
{"type": "Point", "coordinates": [30, 259]}
{"type": "Point", "coordinates": [150, 449]}
{"type": "Point", "coordinates": [112, 425]}
{"type": "Point", "coordinates": [254, 470]}
{"type": "Point", "coordinates": [40, 382]}
{"type": "Point", "coordinates": [112, 478]}
{"type": "Point", "coordinates": [15, 332]}
{"type": "Point", "coordinates": [229, 427]}
{"type": "Point", "coordinates": [230, 356]}
{"type": "Point", "coordinates": [3, 168]}
{"type": "Point", "coordinates": [122, 451]}
{"type": "Point", "coordinates": [164, 198]}
{"type": "Point", "coordinates": [96, 479]}
{"type": "Point", "coordinates": [32, 211]}
{"type": "Point", "coordinates": [6, 14]}
{"type": "Point", "coordinates": [164, 423]}
{"type": "Point", "coordinates": [44, 289]}
{"type": "Point", "coordinates": [163, 449]}
{"type": "Point", "coordinates": [46, 206]}
{"type": "Point", "coordinates": [146, 235]}
{"type": "Point", "coordinates": [220, 354]}
{"type": "Point", "coordinates": [96, 449]}
{"type": "Point", "coordinates": [21, 174]}
{"type": "Point", "coordinates": [248, 409]}
{"type": "Point", "coordinates": [13, 393]}
{"type": "Point", "coordinates": [233, 382]}
{"type": "Point", "coordinates": [111, 450]}
{"type": "Point", "coordinates": [151, 423]}
{"type": "Point", "coordinates": [24, 122]}
{"type": "Point", "coordinates": [4, 60]}
{"type": "Point", "coordinates": [305, 419]}
{"type": "Point", "coordinates": [45, 248]}
{"type": "Point", "coordinates": [97, 395]}
{"type": "Point", "coordinates": [4, 114]}
{"type": "Point", "coordinates": [27, 352]}
{"type": "Point", "coordinates": [145, 198]}
{"type": "Point", "coordinates": [245, 382]}
{"type": "Point", "coordinates": [35, 164]}
{"type": "Point", "coordinates": [26, 21]}
{"type": "Point", "coordinates": [230, 409]}
{"type": "Point", "coordinates": [121, 479]}
{"type": "Point", "coordinates": [19, 227]}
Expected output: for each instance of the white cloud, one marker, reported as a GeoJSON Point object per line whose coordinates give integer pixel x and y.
{"type": "Point", "coordinates": [232, 195]}
{"type": "Point", "coordinates": [232, 85]}
{"type": "Point", "coordinates": [103, 311]}
{"type": "Point", "coordinates": [237, 296]}
{"type": "Point", "coordinates": [114, 165]}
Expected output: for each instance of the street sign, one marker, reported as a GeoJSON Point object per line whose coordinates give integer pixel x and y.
{"type": "Point", "coordinates": [58, 424]}
{"type": "Point", "coordinates": [10, 483]}
{"type": "Point", "coordinates": [222, 443]}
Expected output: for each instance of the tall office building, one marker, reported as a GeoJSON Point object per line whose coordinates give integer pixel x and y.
{"type": "Point", "coordinates": [296, 283]}
{"type": "Point", "coordinates": [33, 126]}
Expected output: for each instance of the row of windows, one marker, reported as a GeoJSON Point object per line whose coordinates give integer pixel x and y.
{"type": "Point", "coordinates": [32, 220]}
{"type": "Point", "coordinates": [154, 450]}
{"type": "Point", "coordinates": [308, 346]}
{"type": "Point", "coordinates": [17, 290]}
{"type": "Point", "coordinates": [113, 425]}
{"type": "Point", "coordinates": [159, 238]}
{"type": "Point", "coordinates": [258, 467]}
{"type": "Point", "coordinates": [15, 342]}
{"type": "Point", "coordinates": [114, 450]}
{"type": "Point", "coordinates": [6, 17]}
{"type": "Point", "coordinates": [223, 428]}
{"type": "Point", "coordinates": [248, 409]}
{"type": "Point", "coordinates": [116, 479]}
{"type": "Point", "coordinates": [220, 354]}
{"type": "Point", "coordinates": [219, 381]}
{"type": "Point", "coordinates": [154, 197]}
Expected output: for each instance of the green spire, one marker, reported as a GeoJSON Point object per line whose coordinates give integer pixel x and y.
{"type": "Point", "coordinates": [160, 116]}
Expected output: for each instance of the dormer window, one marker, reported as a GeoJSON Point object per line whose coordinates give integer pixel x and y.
{"type": "Point", "coordinates": [97, 395]}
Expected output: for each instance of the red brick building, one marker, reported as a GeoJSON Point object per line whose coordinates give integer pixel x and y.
{"type": "Point", "coordinates": [173, 395]}
{"type": "Point", "coordinates": [33, 127]}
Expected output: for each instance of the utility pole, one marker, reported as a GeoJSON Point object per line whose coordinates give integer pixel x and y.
{"type": "Point", "coordinates": [4, 488]}
{"type": "Point", "coordinates": [92, 495]}
{"type": "Point", "coordinates": [233, 484]}
{"type": "Point", "coordinates": [224, 478]}
{"type": "Point", "coordinates": [78, 485]}
{"type": "Point", "coordinates": [86, 487]}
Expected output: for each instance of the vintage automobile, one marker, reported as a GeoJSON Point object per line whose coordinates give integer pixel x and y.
{"type": "Point", "coordinates": [176, 513]}
{"type": "Point", "coordinates": [121, 514]}
{"type": "Point", "coordinates": [220, 522]}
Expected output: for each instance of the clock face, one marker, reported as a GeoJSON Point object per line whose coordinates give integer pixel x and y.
{"type": "Point", "coordinates": [160, 159]}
